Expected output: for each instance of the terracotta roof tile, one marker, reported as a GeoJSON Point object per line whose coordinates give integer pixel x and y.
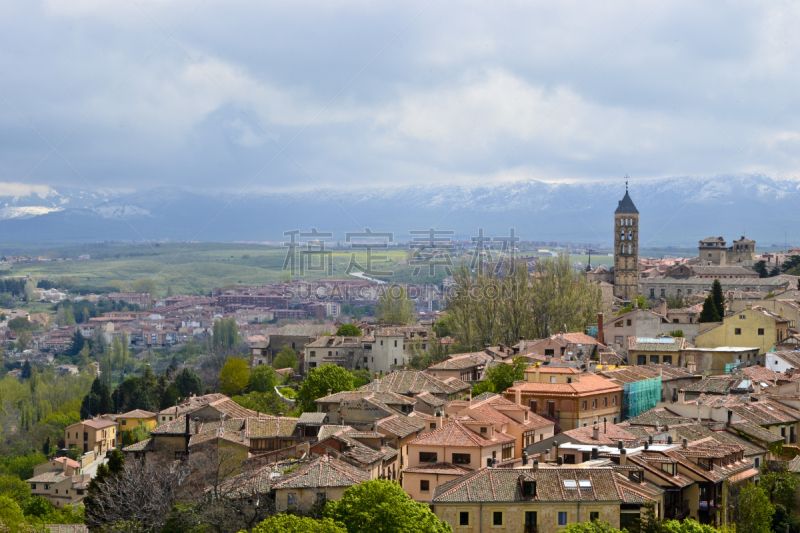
{"type": "Point", "coordinates": [456, 434]}
{"type": "Point", "coordinates": [324, 471]}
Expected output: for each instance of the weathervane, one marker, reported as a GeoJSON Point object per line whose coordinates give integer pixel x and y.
{"type": "Point", "coordinates": [626, 183]}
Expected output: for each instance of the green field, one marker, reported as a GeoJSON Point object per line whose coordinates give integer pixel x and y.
{"type": "Point", "coordinates": [196, 268]}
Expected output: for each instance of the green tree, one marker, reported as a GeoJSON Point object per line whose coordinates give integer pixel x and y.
{"type": "Point", "coordinates": [503, 376]}
{"type": "Point", "coordinates": [234, 377]}
{"type": "Point", "coordinates": [226, 333]}
{"type": "Point", "coordinates": [97, 401]}
{"type": "Point", "coordinates": [761, 268]}
{"type": "Point", "coordinates": [317, 383]}
{"type": "Point", "coordinates": [348, 330]}
{"type": "Point", "coordinates": [145, 286]}
{"type": "Point", "coordinates": [780, 485]}
{"type": "Point", "coordinates": [263, 402]}
{"type": "Point", "coordinates": [286, 358]}
{"type": "Point", "coordinates": [11, 514]}
{"type": "Point", "coordinates": [381, 506]}
{"type": "Point", "coordinates": [444, 326]}
{"type": "Point", "coordinates": [753, 512]}
{"type": "Point", "coordinates": [394, 306]}
{"type": "Point", "coordinates": [286, 523]}
{"type": "Point", "coordinates": [719, 297]}
{"type": "Point", "coordinates": [188, 383]}
{"type": "Point", "coordinates": [15, 488]}
{"type": "Point", "coordinates": [676, 333]}
{"type": "Point", "coordinates": [709, 312]}
{"type": "Point", "coordinates": [688, 525]}
{"type": "Point", "coordinates": [263, 379]}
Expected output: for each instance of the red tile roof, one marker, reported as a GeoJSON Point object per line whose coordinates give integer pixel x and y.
{"type": "Point", "coordinates": [456, 434]}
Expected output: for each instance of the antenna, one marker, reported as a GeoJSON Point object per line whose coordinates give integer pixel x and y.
{"type": "Point", "coordinates": [626, 183]}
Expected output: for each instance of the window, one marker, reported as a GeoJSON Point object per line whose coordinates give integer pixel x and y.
{"type": "Point", "coordinates": [583, 405]}
{"type": "Point", "coordinates": [428, 457]}
{"type": "Point", "coordinates": [33, 486]}
{"type": "Point", "coordinates": [463, 518]}
{"type": "Point", "coordinates": [615, 419]}
{"type": "Point", "coordinates": [312, 364]}
{"type": "Point", "coordinates": [594, 403]}
{"type": "Point", "coordinates": [757, 461]}
{"type": "Point", "coordinates": [676, 321]}
{"type": "Point", "coordinates": [313, 353]}
{"type": "Point", "coordinates": [562, 518]}
{"type": "Point", "coordinates": [529, 488]}
{"type": "Point", "coordinates": [605, 402]}
{"type": "Point", "coordinates": [291, 500]}
{"type": "Point", "coordinates": [124, 422]}
{"type": "Point", "coordinates": [366, 359]}
{"type": "Point", "coordinates": [760, 331]}
{"type": "Point", "coordinates": [395, 344]}
{"type": "Point", "coordinates": [497, 518]}
{"type": "Point", "coordinates": [663, 292]}
{"type": "Point", "coordinates": [549, 351]}
{"type": "Point", "coordinates": [666, 359]}
{"type": "Point", "coordinates": [594, 515]}
{"type": "Point", "coordinates": [618, 324]}
{"type": "Point", "coordinates": [613, 400]}
{"type": "Point", "coordinates": [652, 293]}
{"type": "Point", "coordinates": [654, 359]}
{"type": "Point", "coordinates": [483, 430]}
{"type": "Point", "coordinates": [320, 496]}
{"type": "Point", "coordinates": [742, 317]}
{"type": "Point", "coordinates": [395, 360]}
{"type": "Point", "coordinates": [424, 485]}
{"type": "Point", "coordinates": [552, 379]}
{"type": "Point", "coordinates": [433, 425]}
{"type": "Point", "coordinates": [628, 321]}
{"type": "Point", "coordinates": [461, 458]}
{"type": "Point", "coordinates": [532, 405]}
{"type": "Point", "coordinates": [737, 331]}
{"type": "Point", "coordinates": [641, 359]}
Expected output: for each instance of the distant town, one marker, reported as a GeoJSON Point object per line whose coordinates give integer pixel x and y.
{"type": "Point", "coordinates": [520, 390]}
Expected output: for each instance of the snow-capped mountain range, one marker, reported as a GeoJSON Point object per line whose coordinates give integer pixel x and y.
{"type": "Point", "coordinates": [672, 211]}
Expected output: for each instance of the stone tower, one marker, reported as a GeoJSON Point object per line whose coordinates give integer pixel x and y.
{"type": "Point", "coordinates": [626, 249]}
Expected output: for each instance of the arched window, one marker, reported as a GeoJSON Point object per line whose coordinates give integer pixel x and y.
{"type": "Point", "coordinates": [630, 249]}
{"type": "Point", "coordinates": [622, 251]}
{"type": "Point", "coordinates": [630, 235]}
{"type": "Point", "coordinates": [622, 235]}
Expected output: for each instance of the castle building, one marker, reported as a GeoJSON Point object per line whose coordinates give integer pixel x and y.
{"type": "Point", "coordinates": [626, 249]}
{"type": "Point", "coordinates": [712, 251]}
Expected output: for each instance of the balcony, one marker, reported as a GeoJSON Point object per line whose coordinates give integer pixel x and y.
{"type": "Point", "coordinates": [677, 512]}
{"type": "Point", "coordinates": [709, 506]}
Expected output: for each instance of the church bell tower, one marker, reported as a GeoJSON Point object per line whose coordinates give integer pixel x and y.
{"type": "Point", "coordinates": [626, 249]}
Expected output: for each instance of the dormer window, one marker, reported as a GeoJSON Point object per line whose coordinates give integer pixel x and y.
{"type": "Point", "coordinates": [529, 488]}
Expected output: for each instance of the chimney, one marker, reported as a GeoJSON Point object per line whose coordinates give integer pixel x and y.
{"type": "Point", "coordinates": [662, 307]}
{"type": "Point", "coordinates": [536, 464]}
{"type": "Point", "coordinates": [187, 423]}
{"type": "Point", "coordinates": [620, 445]}
{"type": "Point", "coordinates": [595, 453]}
{"type": "Point", "coordinates": [524, 458]}
{"type": "Point", "coordinates": [623, 457]}
{"type": "Point", "coordinates": [469, 399]}
{"type": "Point", "coordinates": [560, 461]}
{"type": "Point", "coordinates": [196, 425]}
{"type": "Point", "coordinates": [685, 443]}
{"type": "Point", "coordinates": [650, 439]}
{"type": "Point", "coordinates": [600, 337]}
{"type": "Point", "coordinates": [691, 366]}
{"type": "Point", "coordinates": [330, 392]}
{"type": "Point", "coordinates": [595, 432]}
{"type": "Point", "coordinates": [439, 420]}
{"type": "Point", "coordinates": [518, 396]}
{"type": "Point", "coordinates": [488, 462]}
{"type": "Point", "coordinates": [681, 397]}
{"type": "Point", "coordinates": [605, 425]}
{"type": "Point", "coordinates": [537, 372]}
{"type": "Point", "coordinates": [646, 445]}
{"type": "Point", "coordinates": [669, 439]}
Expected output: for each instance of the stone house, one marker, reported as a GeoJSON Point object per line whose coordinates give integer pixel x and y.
{"type": "Point", "coordinates": [98, 435]}
{"type": "Point", "coordinates": [321, 479]}
{"type": "Point", "coordinates": [581, 401]}
{"type": "Point", "coordinates": [543, 500]}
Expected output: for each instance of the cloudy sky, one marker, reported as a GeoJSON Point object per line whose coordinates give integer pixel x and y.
{"type": "Point", "coordinates": [140, 93]}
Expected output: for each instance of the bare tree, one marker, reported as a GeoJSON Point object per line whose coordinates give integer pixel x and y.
{"type": "Point", "coordinates": [139, 498]}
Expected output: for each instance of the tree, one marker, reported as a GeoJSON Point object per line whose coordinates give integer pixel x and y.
{"type": "Point", "coordinates": [675, 302]}
{"type": "Point", "coordinates": [234, 377]}
{"type": "Point", "coordinates": [753, 512]}
{"type": "Point", "coordinates": [381, 506]}
{"type": "Point", "coordinates": [780, 485]}
{"type": "Point", "coordinates": [719, 297]}
{"type": "Point", "coordinates": [687, 525]}
{"type": "Point", "coordinates": [761, 268]}
{"type": "Point", "coordinates": [15, 488]}
{"type": "Point", "coordinates": [394, 306]}
{"type": "Point", "coordinates": [286, 358]}
{"type": "Point", "coordinates": [348, 330]}
{"type": "Point", "coordinates": [20, 323]}
{"type": "Point", "coordinates": [263, 379]}
{"type": "Point", "coordinates": [188, 383]}
{"type": "Point", "coordinates": [97, 401]}
{"type": "Point", "coordinates": [503, 376]}
{"type": "Point", "coordinates": [24, 340]}
{"type": "Point", "coordinates": [77, 343]}
{"type": "Point", "coordinates": [144, 286]}
{"type": "Point", "coordinates": [226, 333]}
{"type": "Point", "coordinates": [676, 333]}
{"type": "Point", "coordinates": [319, 381]}
{"type": "Point", "coordinates": [286, 523]}
{"type": "Point", "coordinates": [709, 312]}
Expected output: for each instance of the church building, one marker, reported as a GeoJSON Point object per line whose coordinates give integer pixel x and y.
{"type": "Point", "coordinates": [626, 249]}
